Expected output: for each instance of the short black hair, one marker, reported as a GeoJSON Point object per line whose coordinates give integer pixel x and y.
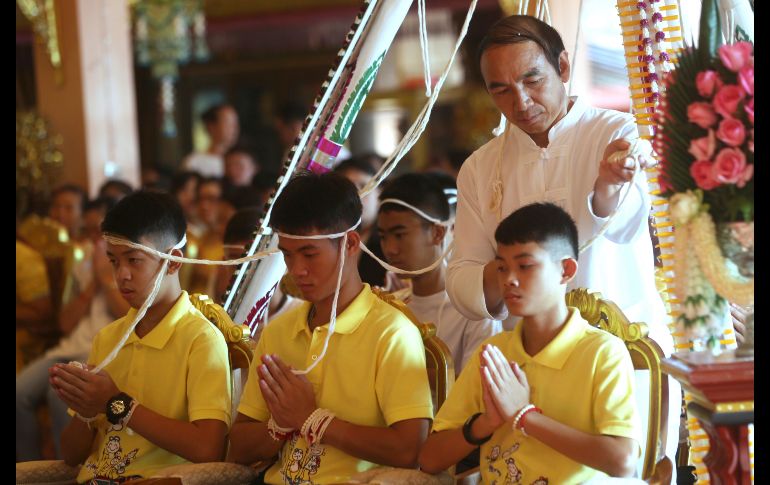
{"type": "Point", "coordinates": [212, 114]}
{"type": "Point", "coordinates": [523, 28]}
{"type": "Point", "coordinates": [101, 204]}
{"type": "Point", "coordinates": [153, 215]}
{"type": "Point", "coordinates": [180, 179]}
{"type": "Point", "coordinates": [328, 203]}
{"type": "Point", "coordinates": [120, 185]}
{"type": "Point", "coordinates": [241, 148]}
{"type": "Point", "coordinates": [242, 225]}
{"type": "Point", "coordinates": [357, 163]}
{"type": "Point", "coordinates": [420, 190]}
{"type": "Point", "coordinates": [543, 223]}
{"type": "Point", "coordinates": [241, 197]}
{"type": "Point", "coordinates": [72, 189]}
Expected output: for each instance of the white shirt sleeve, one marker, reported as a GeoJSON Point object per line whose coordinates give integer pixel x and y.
{"type": "Point", "coordinates": [472, 250]}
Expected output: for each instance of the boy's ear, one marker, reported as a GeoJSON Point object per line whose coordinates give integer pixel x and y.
{"type": "Point", "coordinates": [568, 269]}
{"type": "Point", "coordinates": [354, 239]}
{"type": "Point", "coordinates": [438, 232]}
{"type": "Point", "coordinates": [174, 266]}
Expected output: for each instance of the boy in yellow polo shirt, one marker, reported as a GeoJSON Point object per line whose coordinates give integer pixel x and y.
{"type": "Point", "coordinates": [552, 400]}
{"type": "Point", "coordinates": [365, 398]}
{"type": "Point", "coordinates": [165, 398]}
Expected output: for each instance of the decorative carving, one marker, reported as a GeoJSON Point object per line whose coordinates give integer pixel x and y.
{"type": "Point", "coordinates": [42, 16]}
{"type": "Point", "coordinates": [645, 354]}
{"type": "Point", "coordinates": [38, 161]}
{"type": "Point", "coordinates": [239, 343]}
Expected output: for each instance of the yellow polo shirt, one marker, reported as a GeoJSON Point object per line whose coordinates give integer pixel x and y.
{"type": "Point", "coordinates": [180, 370]}
{"type": "Point", "coordinates": [583, 378]}
{"type": "Point", "coordinates": [373, 374]}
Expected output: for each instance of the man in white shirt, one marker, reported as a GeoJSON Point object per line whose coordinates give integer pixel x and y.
{"type": "Point", "coordinates": [221, 122]}
{"type": "Point", "coordinates": [412, 224]}
{"type": "Point", "coordinates": [556, 148]}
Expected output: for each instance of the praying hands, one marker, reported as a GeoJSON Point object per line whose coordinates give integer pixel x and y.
{"type": "Point", "coordinates": [83, 391]}
{"type": "Point", "coordinates": [504, 386]}
{"type": "Point", "coordinates": [289, 397]}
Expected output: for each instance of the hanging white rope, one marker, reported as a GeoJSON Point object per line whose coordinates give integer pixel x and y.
{"type": "Point", "coordinates": [414, 132]}
{"type": "Point", "coordinates": [419, 212]}
{"type": "Point", "coordinates": [333, 317]}
{"type": "Point", "coordinates": [421, 17]}
{"type": "Point", "coordinates": [143, 309]}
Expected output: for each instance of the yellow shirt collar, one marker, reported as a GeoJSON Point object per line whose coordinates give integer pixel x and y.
{"type": "Point", "coordinates": [162, 332]}
{"type": "Point", "coordinates": [558, 350]}
{"type": "Point", "coordinates": [347, 321]}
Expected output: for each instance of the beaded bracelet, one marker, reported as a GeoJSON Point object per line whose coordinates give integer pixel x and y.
{"type": "Point", "coordinates": [315, 425]}
{"type": "Point", "coordinates": [518, 421]}
{"type": "Point", "coordinates": [278, 433]}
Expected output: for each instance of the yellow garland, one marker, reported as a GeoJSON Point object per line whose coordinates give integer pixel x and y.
{"type": "Point", "coordinates": [737, 290]}
{"type": "Point", "coordinates": [680, 261]}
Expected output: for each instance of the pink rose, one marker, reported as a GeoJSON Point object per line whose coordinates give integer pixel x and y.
{"type": "Point", "coordinates": [735, 56]}
{"type": "Point", "coordinates": [702, 173]}
{"type": "Point", "coordinates": [729, 166]}
{"type": "Point", "coordinates": [731, 131]}
{"type": "Point", "coordinates": [703, 148]}
{"type": "Point", "coordinates": [749, 108]}
{"type": "Point", "coordinates": [702, 114]}
{"type": "Point", "coordinates": [727, 99]}
{"type": "Point", "coordinates": [745, 176]}
{"type": "Point", "coordinates": [707, 82]}
{"type": "Point", "coordinates": [746, 79]}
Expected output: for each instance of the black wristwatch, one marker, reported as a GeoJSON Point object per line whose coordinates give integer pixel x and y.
{"type": "Point", "coordinates": [118, 407]}
{"type": "Point", "coordinates": [467, 432]}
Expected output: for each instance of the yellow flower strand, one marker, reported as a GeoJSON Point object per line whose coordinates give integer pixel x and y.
{"type": "Point", "coordinates": [732, 287]}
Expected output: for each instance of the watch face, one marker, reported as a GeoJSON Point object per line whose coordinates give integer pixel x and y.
{"type": "Point", "coordinates": [118, 406]}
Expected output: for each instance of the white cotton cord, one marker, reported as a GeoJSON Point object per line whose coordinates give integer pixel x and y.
{"type": "Point", "coordinates": [424, 45]}
{"type": "Point", "coordinates": [333, 319]}
{"type": "Point", "coordinates": [500, 128]}
{"type": "Point", "coordinates": [112, 239]}
{"type": "Point", "coordinates": [573, 64]}
{"type": "Point", "coordinates": [419, 212]}
{"type": "Point", "coordinates": [639, 148]}
{"type": "Point", "coordinates": [140, 314]}
{"type": "Point", "coordinates": [389, 267]}
{"type": "Point", "coordinates": [321, 236]}
{"type": "Point", "coordinates": [451, 196]}
{"type": "Point", "coordinates": [496, 201]}
{"type": "Point", "coordinates": [417, 128]}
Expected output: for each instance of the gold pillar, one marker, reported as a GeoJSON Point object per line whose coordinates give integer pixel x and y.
{"type": "Point", "coordinates": [90, 102]}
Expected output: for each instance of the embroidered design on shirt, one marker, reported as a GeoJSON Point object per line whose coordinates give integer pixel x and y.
{"type": "Point", "coordinates": [301, 464]}
{"type": "Point", "coordinates": [112, 464]}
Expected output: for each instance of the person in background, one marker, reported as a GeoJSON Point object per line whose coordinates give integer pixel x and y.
{"type": "Point", "coordinates": [360, 171]}
{"type": "Point", "coordinates": [66, 208]}
{"type": "Point", "coordinates": [222, 126]}
{"type": "Point", "coordinates": [115, 189]}
{"type": "Point", "coordinates": [184, 187]}
{"type": "Point", "coordinates": [240, 167]}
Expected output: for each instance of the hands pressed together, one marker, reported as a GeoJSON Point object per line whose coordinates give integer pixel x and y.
{"type": "Point", "coordinates": [504, 386]}
{"type": "Point", "coordinates": [83, 391]}
{"type": "Point", "coordinates": [289, 397]}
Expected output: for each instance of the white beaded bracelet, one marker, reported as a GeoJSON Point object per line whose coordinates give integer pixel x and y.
{"type": "Point", "coordinates": [124, 421]}
{"type": "Point", "coordinates": [520, 414]}
{"type": "Point", "coordinates": [315, 425]}
{"type": "Point", "coordinates": [86, 420]}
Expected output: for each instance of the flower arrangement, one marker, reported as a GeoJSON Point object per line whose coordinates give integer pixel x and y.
{"type": "Point", "coordinates": [705, 141]}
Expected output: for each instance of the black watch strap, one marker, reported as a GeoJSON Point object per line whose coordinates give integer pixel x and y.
{"type": "Point", "coordinates": [469, 436]}
{"type": "Point", "coordinates": [118, 407]}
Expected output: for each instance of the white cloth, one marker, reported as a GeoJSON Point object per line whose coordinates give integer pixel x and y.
{"type": "Point", "coordinates": [77, 344]}
{"type": "Point", "coordinates": [460, 334]}
{"type": "Point", "coordinates": [206, 164]}
{"type": "Point", "coordinates": [619, 264]}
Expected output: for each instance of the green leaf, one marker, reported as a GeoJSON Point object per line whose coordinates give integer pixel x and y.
{"type": "Point", "coordinates": [354, 102]}
{"type": "Point", "coordinates": [710, 36]}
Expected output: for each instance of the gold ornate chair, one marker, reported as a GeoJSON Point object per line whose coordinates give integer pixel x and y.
{"type": "Point", "coordinates": [646, 354]}
{"type": "Point", "coordinates": [241, 352]}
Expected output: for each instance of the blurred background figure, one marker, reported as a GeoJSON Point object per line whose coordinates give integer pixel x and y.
{"type": "Point", "coordinates": [222, 126]}
{"type": "Point", "coordinates": [66, 208]}
{"type": "Point", "coordinates": [360, 171]}
{"type": "Point", "coordinates": [115, 189]}
{"type": "Point", "coordinates": [240, 167]}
